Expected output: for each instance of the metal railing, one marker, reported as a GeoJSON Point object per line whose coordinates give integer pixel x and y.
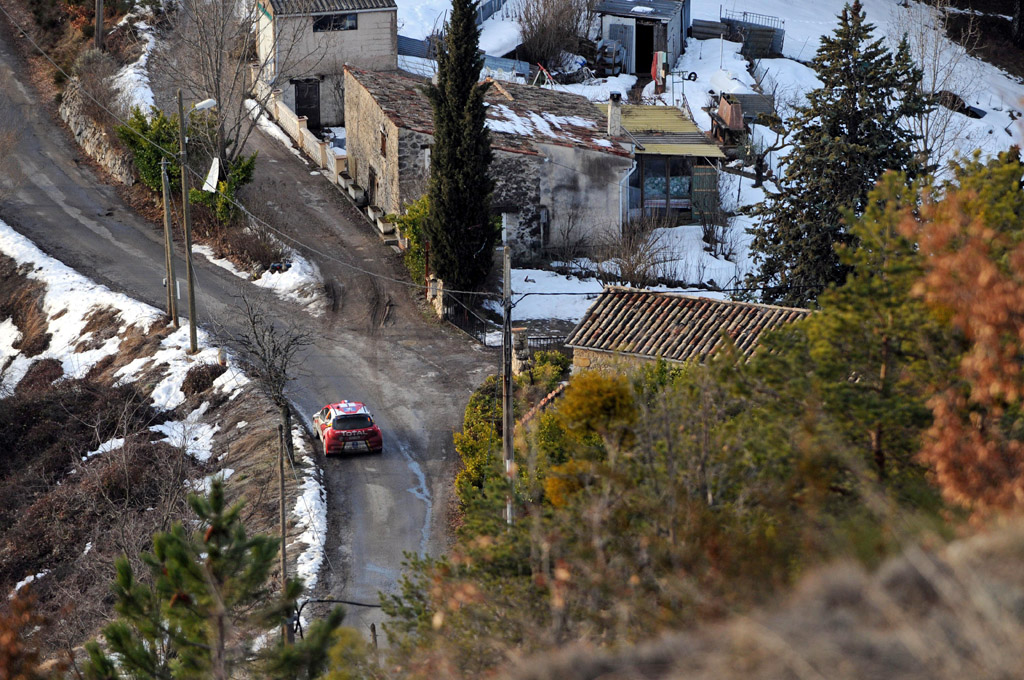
{"type": "Point", "coordinates": [753, 18]}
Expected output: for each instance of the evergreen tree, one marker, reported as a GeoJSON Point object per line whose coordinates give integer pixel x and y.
{"type": "Point", "coordinates": [459, 229]}
{"type": "Point", "coordinates": [847, 135]}
{"type": "Point", "coordinates": [207, 601]}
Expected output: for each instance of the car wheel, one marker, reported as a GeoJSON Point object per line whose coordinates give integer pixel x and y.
{"type": "Point", "coordinates": [325, 447]}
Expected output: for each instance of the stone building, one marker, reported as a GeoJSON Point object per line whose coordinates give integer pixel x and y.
{"type": "Point", "coordinates": [627, 327]}
{"type": "Point", "coordinates": [560, 177]}
{"type": "Point", "coordinates": [303, 46]}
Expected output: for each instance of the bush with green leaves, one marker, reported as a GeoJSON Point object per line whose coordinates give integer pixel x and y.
{"type": "Point", "coordinates": [152, 139]}
{"type": "Point", "coordinates": [222, 201]}
{"type": "Point", "coordinates": [410, 226]}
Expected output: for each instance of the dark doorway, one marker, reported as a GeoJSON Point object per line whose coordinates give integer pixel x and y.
{"type": "Point", "coordinates": [644, 47]}
{"type": "Point", "coordinates": [307, 101]}
{"type": "Point", "coordinates": [371, 188]}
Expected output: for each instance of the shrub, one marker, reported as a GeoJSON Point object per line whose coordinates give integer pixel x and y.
{"type": "Point", "coordinates": [94, 70]}
{"type": "Point", "coordinates": [163, 132]}
{"type": "Point", "coordinates": [200, 378]}
{"type": "Point", "coordinates": [410, 225]}
{"type": "Point", "coordinates": [222, 201]}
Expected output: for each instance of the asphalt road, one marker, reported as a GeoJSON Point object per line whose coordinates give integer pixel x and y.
{"type": "Point", "coordinates": [379, 345]}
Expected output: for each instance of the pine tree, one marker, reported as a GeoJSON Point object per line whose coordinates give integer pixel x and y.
{"type": "Point", "coordinates": [844, 139]}
{"type": "Point", "coordinates": [874, 346]}
{"type": "Point", "coordinates": [459, 229]}
{"type": "Point", "coordinates": [205, 604]}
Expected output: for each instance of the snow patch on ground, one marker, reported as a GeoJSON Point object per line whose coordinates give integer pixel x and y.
{"type": "Point", "coordinates": [25, 581]}
{"type": "Point", "coordinates": [132, 81]}
{"type": "Point", "coordinates": [302, 282]}
{"type": "Point", "coordinates": [600, 89]}
{"type": "Point", "coordinates": [203, 486]}
{"type": "Point", "coordinates": [190, 434]}
{"type": "Point", "coordinates": [310, 513]}
{"type": "Point", "coordinates": [71, 298]}
{"type": "Point", "coordinates": [105, 447]}
{"type": "Point", "coordinates": [266, 124]}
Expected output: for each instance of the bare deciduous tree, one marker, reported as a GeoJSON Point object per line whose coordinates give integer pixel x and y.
{"type": "Point", "coordinates": [212, 53]}
{"type": "Point", "coordinates": [550, 27]}
{"type": "Point", "coordinates": [270, 353]}
{"type": "Point", "coordinates": [949, 74]}
{"type": "Point", "coordinates": [638, 256]}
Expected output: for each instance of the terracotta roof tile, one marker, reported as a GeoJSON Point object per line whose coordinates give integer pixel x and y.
{"type": "Point", "coordinates": [674, 326]}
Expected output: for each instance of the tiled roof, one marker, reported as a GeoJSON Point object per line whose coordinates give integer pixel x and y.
{"type": "Point", "coordinates": [286, 7]}
{"type": "Point", "coordinates": [519, 117]}
{"type": "Point", "coordinates": [674, 326]}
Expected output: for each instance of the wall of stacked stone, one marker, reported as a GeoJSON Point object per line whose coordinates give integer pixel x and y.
{"type": "Point", "coordinates": [92, 138]}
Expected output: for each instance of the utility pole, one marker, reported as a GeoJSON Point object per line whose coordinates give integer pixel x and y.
{"type": "Point", "coordinates": [172, 298]}
{"type": "Point", "coordinates": [506, 373]}
{"type": "Point", "coordinates": [286, 631]}
{"type": "Point", "coordinates": [98, 27]}
{"type": "Point", "coordinates": [193, 343]}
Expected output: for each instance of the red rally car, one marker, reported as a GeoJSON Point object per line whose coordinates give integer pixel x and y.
{"type": "Point", "coordinates": [347, 427]}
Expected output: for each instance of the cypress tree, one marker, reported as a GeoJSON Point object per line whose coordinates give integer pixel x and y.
{"type": "Point", "coordinates": [844, 139]}
{"type": "Point", "coordinates": [458, 228]}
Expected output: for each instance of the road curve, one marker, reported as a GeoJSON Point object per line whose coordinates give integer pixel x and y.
{"type": "Point", "coordinates": [378, 346]}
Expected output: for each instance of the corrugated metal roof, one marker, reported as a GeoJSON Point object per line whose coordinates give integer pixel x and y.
{"type": "Point", "coordinates": [286, 7]}
{"type": "Point", "coordinates": [674, 326]}
{"type": "Point", "coordinates": [665, 131]}
{"type": "Point", "coordinates": [662, 10]}
{"type": "Point", "coordinates": [702, 150]}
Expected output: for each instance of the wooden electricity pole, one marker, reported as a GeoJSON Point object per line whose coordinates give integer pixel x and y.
{"type": "Point", "coordinates": [187, 218]}
{"type": "Point", "coordinates": [506, 374]}
{"type": "Point", "coordinates": [172, 297]}
{"type": "Point", "coordinates": [286, 630]}
{"type": "Point", "coordinates": [98, 27]}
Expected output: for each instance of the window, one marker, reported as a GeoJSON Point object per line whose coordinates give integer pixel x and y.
{"type": "Point", "coordinates": [335, 22]}
{"type": "Point", "coordinates": [383, 142]}
{"type": "Point", "coordinates": [351, 422]}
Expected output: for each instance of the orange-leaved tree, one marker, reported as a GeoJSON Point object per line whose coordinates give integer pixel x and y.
{"type": "Point", "coordinates": [974, 271]}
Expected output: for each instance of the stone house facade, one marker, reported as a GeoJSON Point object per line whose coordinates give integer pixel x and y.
{"type": "Point", "coordinates": [303, 46]}
{"type": "Point", "coordinates": [559, 175]}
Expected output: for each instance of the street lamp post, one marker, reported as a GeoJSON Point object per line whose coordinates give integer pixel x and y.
{"type": "Point", "coordinates": [187, 216]}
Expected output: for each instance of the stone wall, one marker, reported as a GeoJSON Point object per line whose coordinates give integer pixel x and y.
{"type": "Point", "coordinates": [363, 146]}
{"type": "Point", "coordinates": [517, 190]}
{"type": "Point", "coordinates": [584, 359]}
{"type": "Point", "coordinates": [95, 142]}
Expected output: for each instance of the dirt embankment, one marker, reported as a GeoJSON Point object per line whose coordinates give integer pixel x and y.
{"type": "Point", "coordinates": [90, 468]}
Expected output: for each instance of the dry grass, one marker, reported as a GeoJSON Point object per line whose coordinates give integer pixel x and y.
{"type": "Point", "coordinates": [21, 301]}
{"type": "Point", "coordinates": [951, 614]}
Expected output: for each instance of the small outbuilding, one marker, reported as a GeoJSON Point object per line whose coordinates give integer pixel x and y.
{"type": "Point", "coordinates": [676, 170]}
{"type": "Point", "coordinates": [645, 27]}
{"type": "Point", "coordinates": [629, 326]}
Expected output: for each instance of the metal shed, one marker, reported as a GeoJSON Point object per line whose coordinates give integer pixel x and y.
{"type": "Point", "coordinates": [644, 27]}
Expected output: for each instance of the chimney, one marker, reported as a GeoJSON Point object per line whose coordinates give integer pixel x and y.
{"type": "Point", "coordinates": [615, 115]}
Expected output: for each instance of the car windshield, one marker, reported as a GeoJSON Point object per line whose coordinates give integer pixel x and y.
{"type": "Point", "coordinates": [353, 422]}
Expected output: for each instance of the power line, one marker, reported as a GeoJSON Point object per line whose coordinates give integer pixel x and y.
{"type": "Point", "coordinates": [295, 242]}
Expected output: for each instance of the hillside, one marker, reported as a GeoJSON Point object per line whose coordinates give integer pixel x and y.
{"type": "Point", "coordinates": [106, 424]}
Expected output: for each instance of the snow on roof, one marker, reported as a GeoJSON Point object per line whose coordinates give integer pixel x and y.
{"type": "Point", "coordinates": [518, 116]}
